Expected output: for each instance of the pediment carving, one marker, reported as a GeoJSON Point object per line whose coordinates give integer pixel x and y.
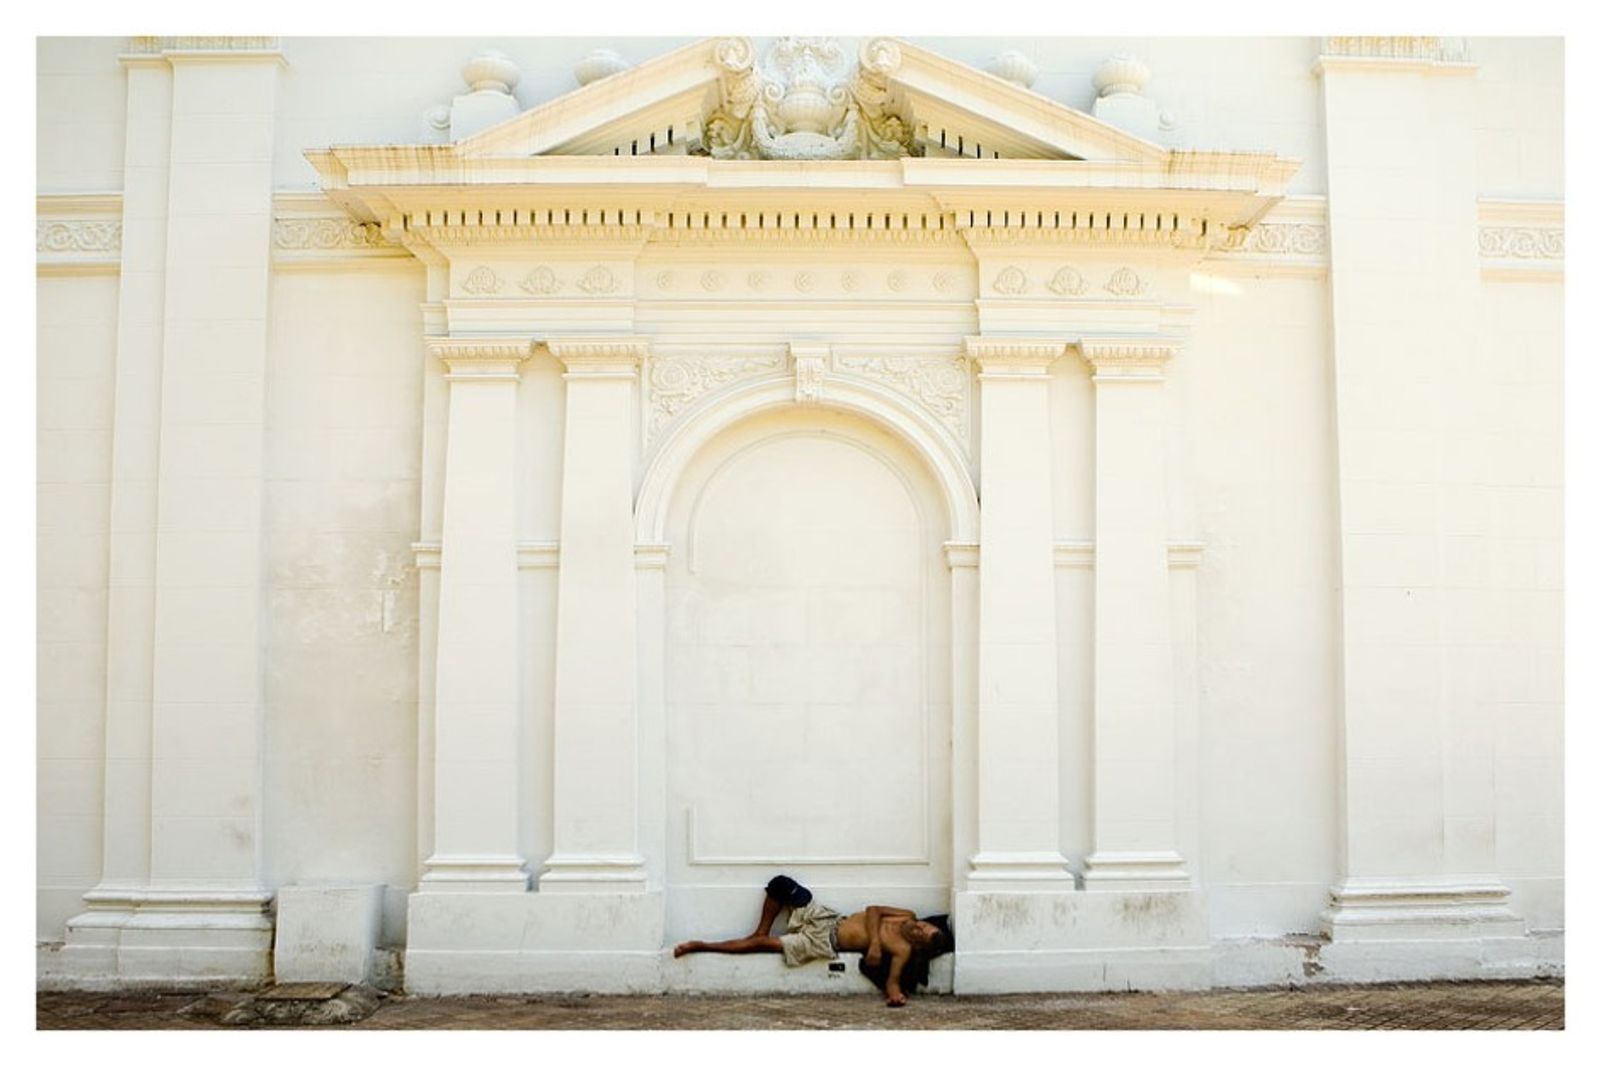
{"type": "Point", "coordinates": [800, 103]}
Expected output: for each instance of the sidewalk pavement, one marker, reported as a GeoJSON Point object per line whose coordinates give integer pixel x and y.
{"type": "Point", "coordinates": [1538, 1004]}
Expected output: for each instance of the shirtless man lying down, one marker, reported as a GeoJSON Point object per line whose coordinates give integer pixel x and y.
{"type": "Point", "coordinates": [816, 932]}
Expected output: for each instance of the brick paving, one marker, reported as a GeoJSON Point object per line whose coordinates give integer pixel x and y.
{"type": "Point", "coordinates": [1437, 1005]}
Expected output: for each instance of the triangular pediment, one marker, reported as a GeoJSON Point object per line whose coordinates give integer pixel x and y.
{"type": "Point", "coordinates": [924, 104]}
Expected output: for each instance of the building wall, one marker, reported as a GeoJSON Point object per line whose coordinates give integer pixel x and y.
{"type": "Point", "coordinates": [343, 446]}
{"type": "Point", "coordinates": [355, 418]}
{"type": "Point", "coordinates": [77, 350]}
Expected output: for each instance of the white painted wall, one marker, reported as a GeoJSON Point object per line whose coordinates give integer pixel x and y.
{"type": "Point", "coordinates": [1251, 456]}
{"type": "Point", "coordinates": [82, 114]}
{"type": "Point", "coordinates": [343, 449]}
{"type": "Point", "coordinates": [1262, 466]}
{"type": "Point", "coordinates": [77, 349]}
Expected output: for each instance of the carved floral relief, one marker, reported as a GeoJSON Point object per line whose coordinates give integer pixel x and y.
{"type": "Point", "coordinates": [482, 281]}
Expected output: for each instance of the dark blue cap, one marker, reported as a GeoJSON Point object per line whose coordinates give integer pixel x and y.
{"type": "Point", "coordinates": [788, 891]}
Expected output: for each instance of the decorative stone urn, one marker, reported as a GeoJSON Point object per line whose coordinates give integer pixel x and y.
{"type": "Point", "coordinates": [491, 72]}
{"type": "Point", "coordinates": [1122, 73]}
{"type": "Point", "coordinates": [1014, 67]}
{"type": "Point", "coordinates": [600, 63]}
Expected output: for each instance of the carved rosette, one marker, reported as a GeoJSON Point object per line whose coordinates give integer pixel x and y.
{"type": "Point", "coordinates": [482, 281]}
{"type": "Point", "coordinates": [1125, 281]}
{"type": "Point", "coordinates": [1068, 282]}
{"type": "Point", "coordinates": [1011, 282]}
{"type": "Point", "coordinates": [540, 281]}
{"type": "Point", "coordinates": [598, 280]}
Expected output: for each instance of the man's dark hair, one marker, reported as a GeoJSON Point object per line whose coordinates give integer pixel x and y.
{"type": "Point", "coordinates": [915, 973]}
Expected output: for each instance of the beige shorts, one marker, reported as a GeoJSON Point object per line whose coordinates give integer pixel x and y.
{"type": "Point", "coordinates": [810, 935]}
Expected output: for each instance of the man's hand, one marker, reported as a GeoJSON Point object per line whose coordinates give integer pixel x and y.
{"type": "Point", "coordinates": [874, 955]}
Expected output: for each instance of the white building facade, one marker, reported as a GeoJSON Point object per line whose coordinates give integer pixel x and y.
{"type": "Point", "coordinates": [1108, 490]}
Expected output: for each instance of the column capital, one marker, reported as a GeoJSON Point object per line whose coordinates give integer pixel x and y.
{"type": "Point", "coordinates": [599, 356]}
{"type": "Point", "coordinates": [1128, 358]}
{"type": "Point", "coordinates": [1013, 356]}
{"type": "Point", "coordinates": [480, 356]}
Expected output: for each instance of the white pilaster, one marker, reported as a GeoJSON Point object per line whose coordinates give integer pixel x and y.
{"type": "Point", "coordinates": [1417, 819]}
{"type": "Point", "coordinates": [597, 827]}
{"type": "Point", "coordinates": [131, 591]}
{"type": "Point", "coordinates": [184, 769]}
{"type": "Point", "coordinates": [1019, 766]}
{"type": "Point", "coordinates": [475, 844]}
{"type": "Point", "coordinates": [1135, 727]}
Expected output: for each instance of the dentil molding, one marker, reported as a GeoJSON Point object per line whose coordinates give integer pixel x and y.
{"type": "Point", "coordinates": [599, 356]}
{"type": "Point", "coordinates": [1127, 358]}
{"type": "Point", "coordinates": [1011, 356]}
{"type": "Point", "coordinates": [480, 357]}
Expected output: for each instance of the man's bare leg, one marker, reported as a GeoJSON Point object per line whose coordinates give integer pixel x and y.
{"type": "Point", "coordinates": [769, 914]}
{"type": "Point", "coordinates": [745, 945]}
{"type": "Point", "coordinates": [760, 940]}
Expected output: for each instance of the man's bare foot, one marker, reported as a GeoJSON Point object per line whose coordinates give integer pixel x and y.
{"type": "Point", "coordinates": [685, 948]}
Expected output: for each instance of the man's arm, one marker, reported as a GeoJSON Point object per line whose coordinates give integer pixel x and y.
{"type": "Point", "coordinates": [875, 917]}
{"type": "Point", "coordinates": [899, 955]}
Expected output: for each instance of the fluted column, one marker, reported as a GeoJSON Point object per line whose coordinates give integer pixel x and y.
{"type": "Point", "coordinates": [597, 828]}
{"type": "Point", "coordinates": [1019, 764]}
{"type": "Point", "coordinates": [1135, 771]}
{"type": "Point", "coordinates": [476, 719]}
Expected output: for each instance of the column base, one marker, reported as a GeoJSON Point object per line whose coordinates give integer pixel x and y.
{"type": "Point", "coordinates": [1367, 909]}
{"type": "Point", "coordinates": [593, 873]}
{"type": "Point", "coordinates": [167, 936]}
{"type": "Point", "coordinates": [1021, 871]}
{"type": "Point", "coordinates": [474, 873]}
{"type": "Point", "coordinates": [1066, 941]}
{"type": "Point", "coordinates": [1277, 962]}
{"type": "Point", "coordinates": [1135, 871]}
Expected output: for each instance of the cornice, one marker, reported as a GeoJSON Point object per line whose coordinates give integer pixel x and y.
{"type": "Point", "coordinates": [203, 49]}
{"type": "Point", "coordinates": [1013, 356]}
{"type": "Point", "coordinates": [599, 356]}
{"type": "Point", "coordinates": [1394, 55]}
{"type": "Point", "coordinates": [480, 356]}
{"type": "Point", "coordinates": [1127, 358]}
